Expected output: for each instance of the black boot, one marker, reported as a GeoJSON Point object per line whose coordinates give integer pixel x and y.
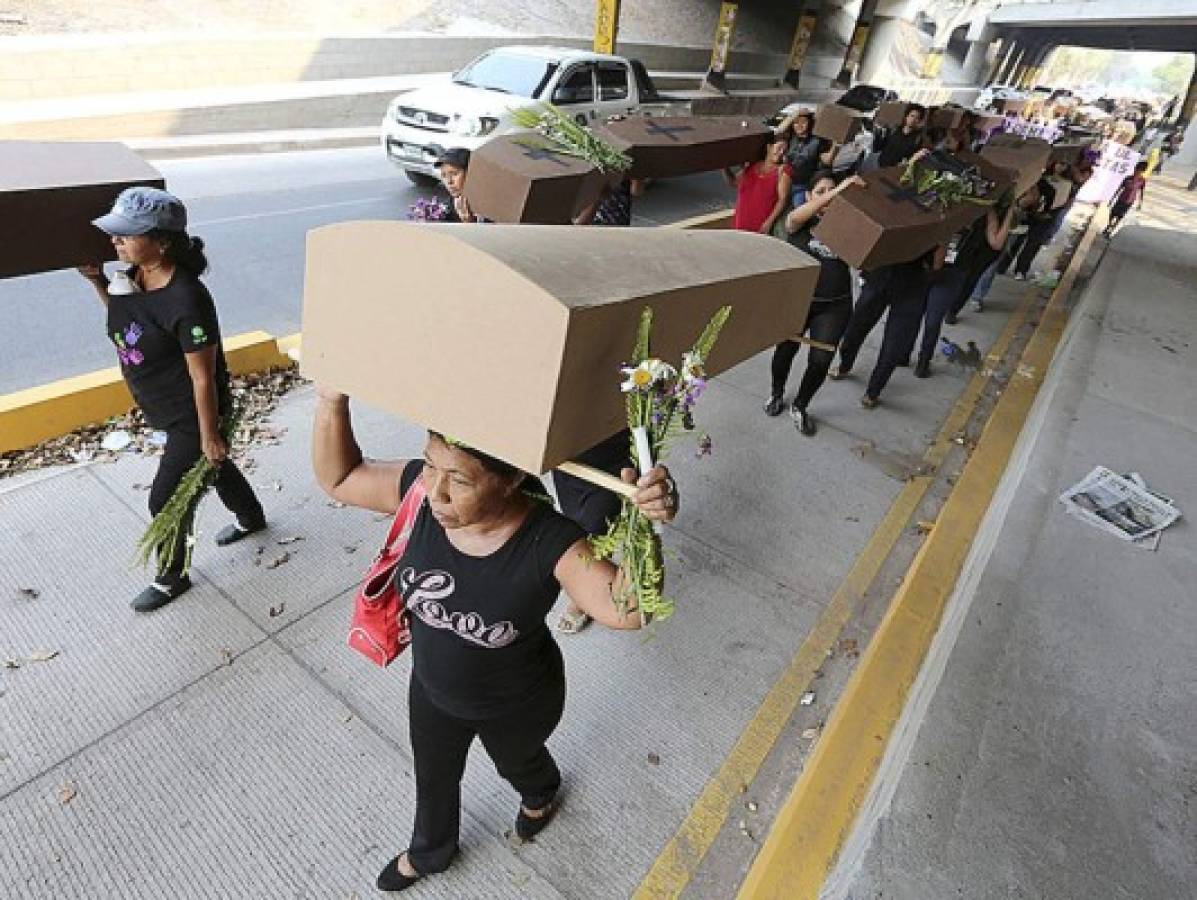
{"type": "Point", "coordinates": [923, 369]}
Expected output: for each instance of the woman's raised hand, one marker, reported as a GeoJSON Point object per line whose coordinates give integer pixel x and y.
{"type": "Point", "coordinates": [657, 495]}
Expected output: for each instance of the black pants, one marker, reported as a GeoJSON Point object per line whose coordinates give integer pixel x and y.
{"type": "Point", "coordinates": [907, 304]}
{"type": "Point", "coordinates": [826, 322]}
{"type": "Point", "coordinates": [870, 307]}
{"type": "Point", "coordinates": [593, 507]}
{"type": "Point", "coordinates": [1037, 235]}
{"type": "Point", "coordinates": [440, 743]}
{"type": "Point", "coordinates": [183, 449]}
{"type": "Point", "coordinates": [941, 300]}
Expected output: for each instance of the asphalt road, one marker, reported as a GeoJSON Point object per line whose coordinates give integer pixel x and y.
{"type": "Point", "coordinates": [253, 211]}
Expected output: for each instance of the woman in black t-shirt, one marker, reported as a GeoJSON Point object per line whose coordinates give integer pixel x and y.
{"type": "Point", "coordinates": [482, 568]}
{"type": "Point", "coordinates": [830, 309]}
{"type": "Point", "coordinates": [163, 324]}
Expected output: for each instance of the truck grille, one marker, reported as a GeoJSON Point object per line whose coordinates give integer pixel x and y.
{"type": "Point", "coordinates": [421, 118]}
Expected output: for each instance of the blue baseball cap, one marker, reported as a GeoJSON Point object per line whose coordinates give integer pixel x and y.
{"type": "Point", "coordinates": [139, 210]}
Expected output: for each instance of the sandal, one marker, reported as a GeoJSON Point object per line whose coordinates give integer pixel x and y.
{"type": "Point", "coordinates": [572, 622]}
{"type": "Point", "coordinates": [527, 827]}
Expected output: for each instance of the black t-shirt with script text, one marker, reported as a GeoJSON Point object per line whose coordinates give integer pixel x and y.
{"type": "Point", "coordinates": [480, 644]}
{"type": "Point", "coordinates": [153, 331]}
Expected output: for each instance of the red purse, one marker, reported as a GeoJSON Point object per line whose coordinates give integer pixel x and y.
{"type": "Point", "coordinates": [379, 629]}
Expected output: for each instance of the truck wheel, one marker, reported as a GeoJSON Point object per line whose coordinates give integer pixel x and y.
{"type": "Point", "coordinates": [419, 179]}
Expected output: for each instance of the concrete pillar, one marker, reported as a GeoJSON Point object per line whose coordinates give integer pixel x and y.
{"type": "Point", "coordinates": [1188, 108]}
{"type": "Point", "coordinates": [883, 34]}
{"type": "Point", "coordinates": [980, 50]}
{"type": "Point", "coordinates": [1035, 69]}
{"type": "Point", "coordinates": [1023, 71]}
{"type": "Point", "coordinates": [1004, 57]}
{"type": "Point", "coordinates": [1018, 52]}
{"type": "Point", "coordinates": [808, 20]}
{"type": "Point", "coordinates": [606, 25]}
{"type": "Point", "coordinates": [856, 44]}
{"type": "Point", "coordinates": [721, 47]}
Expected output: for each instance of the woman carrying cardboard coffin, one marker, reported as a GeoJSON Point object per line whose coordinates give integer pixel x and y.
{"type": "Point", "coordinates": [906, 141]}
{"type": "Point", "coordinates": [163, 322]}
{"type": "Point", "coordinates": [830, 309]}
{"type": "Point", "coordinates": [762, 189]}
{"type": "Point", "coordinates": [806, 153]}
{"type": "Point", "coordinates": [968, 255]}
{"type": "Point", "coordinates": [481, 570]}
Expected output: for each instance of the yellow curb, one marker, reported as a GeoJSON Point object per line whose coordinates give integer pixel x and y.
{"type": "Point", "coordinates": [681, 856]}
{"type": "Point", "coordinates": [818, 816]}
{"type": "Point", "coordinates": [51, 410]}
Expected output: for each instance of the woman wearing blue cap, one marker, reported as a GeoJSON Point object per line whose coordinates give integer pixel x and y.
{"type": "Point", "coordinates": [163, 323]}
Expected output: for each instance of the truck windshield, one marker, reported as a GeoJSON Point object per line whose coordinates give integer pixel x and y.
{"type": "Point", "coordinates": [509, 73]}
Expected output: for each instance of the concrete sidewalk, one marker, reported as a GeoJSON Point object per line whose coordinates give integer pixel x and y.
{"type": "Point", "coordinates": [230, 745]}
{"type": "Point", "coordinates": [1050, 746]}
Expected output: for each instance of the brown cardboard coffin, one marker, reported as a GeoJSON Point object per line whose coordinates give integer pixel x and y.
{"type": "Point", "coordinates": [890, 114]}
{"type": "Point", "coordinates": [882, 224]}
{"type": "Point", "coordinates": [1067, 152]}
{"type": "Point", "coordinates": [669, 146]}
{"type": "Point", "coordinates": [50, 192]}
{"type": "Point", "coordinates": [510, 338]}
{"type": "Point", "coordinates": [510, 181]}
{"type": "Point", "coordinates": [1026, 157]}
{"type": "Point", "coordinates": [838, 124]}
{"type": "Point", "coordinates": [949, 117]}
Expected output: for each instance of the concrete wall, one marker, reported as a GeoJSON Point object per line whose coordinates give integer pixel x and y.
{"type": "Point", "coordinates": [39, 69]}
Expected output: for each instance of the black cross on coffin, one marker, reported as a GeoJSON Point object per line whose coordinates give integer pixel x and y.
{"type": "Point", "coordinates": [537, 153]}
{"type": "Point", "coordinates": [670, 131]}
{"type": "Point", "coordinates": [899, 194]}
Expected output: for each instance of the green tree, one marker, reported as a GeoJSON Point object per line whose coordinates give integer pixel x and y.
{"type": "Point", "coordinates": [1172, 77]}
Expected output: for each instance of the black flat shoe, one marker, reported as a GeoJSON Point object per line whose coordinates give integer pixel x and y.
{"type": "Point", "coordinates": [160, 593]}
{"type": "Point", "coordinates": [775, 405]}
{"type": "Point", "coordinates": [803, 421]}
{"type": "Point", "coordinates": [392, 878]}
{"type": "Point", "coordinates": [527, 827]}
{"type": "Point", "coordinates": [923, 369]}
{"type": "Point", "coordinates": [230, 534]}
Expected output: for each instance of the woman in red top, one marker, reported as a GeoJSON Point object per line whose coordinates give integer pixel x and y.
{"type": "Point", "coordinates": [762, 189]}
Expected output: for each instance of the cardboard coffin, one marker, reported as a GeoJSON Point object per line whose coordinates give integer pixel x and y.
{"type": "Point", "coordinates": [669, 146]}
{"type": "Point", "coordinates": [1067, 152]}
{"type": "Point", "coordinates": [510, 338]}
{"type": "Point", "coordinates": [984, 124]}
{"type": "Point", "coordinates": [949, 117]}
{"type": "Point", "coordinates": [882, 223]}
{"type": "Point", "coordinates": [890, 114]}
{"type": "Point", "coordinates": [838, 124]}
{"type": "Point", "coordinates": [1026, 157]}
{"type": "Point", "coordinates": [50, 192]}
{"type": "Point", "coordinates": [510, 181]}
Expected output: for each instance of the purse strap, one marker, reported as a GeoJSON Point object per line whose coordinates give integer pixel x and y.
{"type": "Point", "coordinates": [405, 515]}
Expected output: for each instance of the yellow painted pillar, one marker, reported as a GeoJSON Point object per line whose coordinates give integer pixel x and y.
{"type": "Point", "coordinates": [606, 25]}
{"type": "Point", "coordinates": [856, 44]}
{"type": "Point", "coordinates": [932, 64]}
{"type": "Point", "coordinates": [721, 48]}
{"type": "Point", "coordinates": [807, 20]}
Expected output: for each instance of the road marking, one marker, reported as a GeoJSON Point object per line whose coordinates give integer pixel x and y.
{"type": "Point", "coordinates": [288, 212]}
{"type": "Point", "coordinates": [812, 825]}
{"type": "Point", "coordinates": [681, 856]}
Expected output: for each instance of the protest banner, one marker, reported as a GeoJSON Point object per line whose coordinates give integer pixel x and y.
{"type": "Point", "coordinates": [1116, 162]}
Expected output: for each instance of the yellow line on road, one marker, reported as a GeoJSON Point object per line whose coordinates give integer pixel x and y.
{"type": "Point", "coordinates": [817, 818]}
{"type": "Point", "coordinates": [681, 856]}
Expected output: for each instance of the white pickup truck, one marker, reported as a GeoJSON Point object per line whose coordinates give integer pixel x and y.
{"type": "Point", "coordinates": [476, 103]}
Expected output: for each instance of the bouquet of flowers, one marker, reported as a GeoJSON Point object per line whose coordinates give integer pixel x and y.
{"type": "Point", "coordinates": [428, 209]}
{"type": "Point", "coordinates": [942, 188]}
{"type": "Point", "coordinates": [561, 134]}
{"type": "Point", "coordinates": [161, 537]}
{"type": "Point", "coordinates": [660, 401]}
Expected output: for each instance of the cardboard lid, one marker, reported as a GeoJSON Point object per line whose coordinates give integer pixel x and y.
{"type": "Point", "coordinates": [43, 165]}
{"type": "Point", "coordinates": [510, 338]}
